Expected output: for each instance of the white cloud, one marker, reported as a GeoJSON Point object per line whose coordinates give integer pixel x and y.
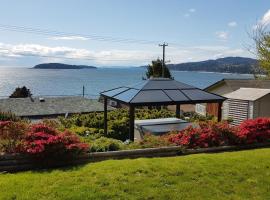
{"type": "Point", "coordinates": [100, 57]}
{"type": "Point", "coordinates": [189, 12]}
{"type": "Point", "coordinates": [266, 18]}
{"type": "Point", "coordinates": [192, 10]}
{"type": "Point", "coordinates": [114, 57]}
{"type": "Point", "coordinates": [223, 35]}
{"type": "Point", "coordinates": [232, 24]}
{"type": "Point", "coordinates": [69, 38]}
{"type": "Point", "coordinates": [264, 21]}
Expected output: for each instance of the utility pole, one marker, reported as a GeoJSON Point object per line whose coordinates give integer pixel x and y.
{"type": "Point", "coordinates": [163, 60]}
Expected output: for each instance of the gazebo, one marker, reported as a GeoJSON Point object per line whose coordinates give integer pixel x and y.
{"type": "Point", "coordinates": [157, 92]}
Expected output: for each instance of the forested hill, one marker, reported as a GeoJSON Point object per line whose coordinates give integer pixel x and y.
{"type": "Point", "coordinates": [62, 66]}
{"type": "Point", "coordinates": [228, 64]}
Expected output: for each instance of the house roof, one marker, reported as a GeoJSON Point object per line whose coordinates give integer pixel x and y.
{"type": "Point", "coordinates": [235, 84]}
{"type": "Point", "coordinates": [250, 94]}
{"type": "Point", "coordinates": [160, 91]}
{"type": "Point", "coordinates": [27, 107]}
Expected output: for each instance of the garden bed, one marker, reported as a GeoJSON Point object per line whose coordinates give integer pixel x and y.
{"type": "Point", "coordinates": [19, 162]}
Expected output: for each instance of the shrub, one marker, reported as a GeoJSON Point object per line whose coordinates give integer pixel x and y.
{"type": "Point", "coordinates": [103, 144]}
{"type": "Point", "coordinates": [117, 121]}
{"type": "Point", "coordinates": [11, 135]}
{"type": "Point", "coordinates": [84, 131]}
{"type": "Point", "coordinates": [46, 142]}
{"type": "Point", "coordinates": [151, 141]}
{"type": "Point", "coordinates": [195, 117]}
{"type": "Point", "coordinates": [207, 134]}
{"type": "Point", "coordinates": [8, 116]}
{"type": "Point", "coordinates": [21, 92]}
{"type": "Point", "coordinates": [254, 131]}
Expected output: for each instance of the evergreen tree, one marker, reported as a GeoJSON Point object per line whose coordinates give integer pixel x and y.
{"type": "Point", "coordinates": [21, 92]}
{"type": "Point", "coordinates": [155, 70]}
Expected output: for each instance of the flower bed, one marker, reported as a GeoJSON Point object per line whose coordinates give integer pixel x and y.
{"type": "Point", "coordinates": [49, 140]}
{"type": "Point", "coordinates": [38, 140]}
{"type": "Point", "coordinates": [210, 134]}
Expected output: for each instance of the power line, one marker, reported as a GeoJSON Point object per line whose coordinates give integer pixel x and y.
{"type": "Point", "coordinates": [48, 32]}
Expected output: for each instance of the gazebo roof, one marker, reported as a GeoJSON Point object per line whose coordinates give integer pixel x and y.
{"type": "Point", "coordinates": [161, 91]}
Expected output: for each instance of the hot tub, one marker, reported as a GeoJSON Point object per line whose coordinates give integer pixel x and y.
{"type": "Point", "coordinates": [158, 126]}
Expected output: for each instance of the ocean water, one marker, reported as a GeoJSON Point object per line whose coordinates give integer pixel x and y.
{"type": "Point", "coordinates": [51, 82]}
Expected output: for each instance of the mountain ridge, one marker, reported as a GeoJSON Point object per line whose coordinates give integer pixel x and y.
{"type": "Point", "coordinates": [242, 65]}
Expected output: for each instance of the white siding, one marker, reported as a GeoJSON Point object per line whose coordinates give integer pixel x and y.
{"type": "Point", "coordinates": [238, 110]}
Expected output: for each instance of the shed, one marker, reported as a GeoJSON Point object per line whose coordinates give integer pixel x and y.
{"type": "Point", "coordinates": [247, 103]}
{"type": "Point", "coordinates": [226, 86]}
{"type": "Point", "coordinates": [157, 92]}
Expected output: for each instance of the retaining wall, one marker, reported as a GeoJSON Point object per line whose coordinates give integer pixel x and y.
{"type": "Point", "coordinates": [17, 162]}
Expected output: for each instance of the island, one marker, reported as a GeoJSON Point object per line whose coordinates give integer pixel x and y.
{"type": "Point", "coordinates": [62, 66]}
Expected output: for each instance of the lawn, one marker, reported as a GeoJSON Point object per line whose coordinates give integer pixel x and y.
{"type": "Point", "coordinates": [230, 175]}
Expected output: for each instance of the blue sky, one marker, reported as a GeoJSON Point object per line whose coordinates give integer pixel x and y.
{"type": "Point", "coordinates": [195, 30]}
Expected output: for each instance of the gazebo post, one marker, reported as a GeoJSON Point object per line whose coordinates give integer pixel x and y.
{"type": "Point", "coordinates": [131, 122]}
{"type": "Point", "coordinates": [177, 110]}
{"type": "Point", "coordinates": [105, 116]}
{"type": "Point", "coordinates": [219, 111]}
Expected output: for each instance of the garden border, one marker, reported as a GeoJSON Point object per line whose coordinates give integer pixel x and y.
{"type": "Point", "coordinates": [18, 162]}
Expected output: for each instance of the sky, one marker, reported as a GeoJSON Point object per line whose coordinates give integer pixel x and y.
{"type": "Point", "coordinates": [119, 33]}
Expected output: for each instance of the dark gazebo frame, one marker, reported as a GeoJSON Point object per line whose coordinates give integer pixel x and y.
{"type": "Point", "coordinates": [132, 105]}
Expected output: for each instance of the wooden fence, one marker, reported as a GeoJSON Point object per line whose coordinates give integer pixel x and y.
{"type": "Point", "coordinates": [17, 162]}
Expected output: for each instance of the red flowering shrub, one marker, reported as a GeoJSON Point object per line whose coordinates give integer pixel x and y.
{"type": "Point", "coordinates": [11, 135]}
{"type": "Point", "coordinates": [207, 134]}
{"type": "Point", "coordinates": [254, 131]}
{"type": "Point", "coordinates": [47, 142]}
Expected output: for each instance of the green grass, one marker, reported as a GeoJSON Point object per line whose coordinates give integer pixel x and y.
{"type": "Point", "coordinates": [230, 175]}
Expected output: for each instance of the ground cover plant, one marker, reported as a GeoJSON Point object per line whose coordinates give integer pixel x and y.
{"type": "Point", "coordinates": [231, 175]}
{"type": "Point", "coordinates": [118, 122]}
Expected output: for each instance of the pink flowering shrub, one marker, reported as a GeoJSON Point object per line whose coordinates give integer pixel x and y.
{"type": "Point", "coordinates": [254, 131]}
{"type": "Point", "coordinates": [11, 136]}
{"type": "Point", "coordinates": [44, 141]}
{"type": "Point", "coordinates": [207, 134]}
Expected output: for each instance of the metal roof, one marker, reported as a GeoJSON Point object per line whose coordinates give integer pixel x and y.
{"type": "Point", "coordinates": [235, 84]}
{"type": "Point", "coordinates": [249, 94]}
{"type": "Point", "coordinates": [27, 107]}
{"type": "Point", "coordinates": [160, 91]}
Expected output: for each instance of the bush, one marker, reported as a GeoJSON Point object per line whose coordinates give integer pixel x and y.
{"type": "Point", "coordinates": [21, 92]}
{"type": "Point", "coordinates": [8, 116]}
{"type": "Point", "coordinates": [195, 117]}
{"type": "Point", "coordinates": [103, 144]}
{"type": "Point", "coordinates": [254, 131]}
{"type": "Point", "coordinates": [118, 121]}
{"type": "Point", "coordinates": [46, 142]}
{"type": "Point", "coordinates": [11, 136]}
{"type": "Point", "coordinates": [84, 131]}
{"type": "Point", "coordinates": [207, 134]}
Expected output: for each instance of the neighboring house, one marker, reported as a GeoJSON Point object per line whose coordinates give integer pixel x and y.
{"type": "Point", "coordinates": [49, 107]}
{"type": "Point", "coordinates": [246, 103]}
{"type": "Point", "coordinates": [226, 86]}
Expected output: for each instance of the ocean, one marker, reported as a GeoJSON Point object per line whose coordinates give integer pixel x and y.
{"type": "Point", "coordinates": [52, 82]}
